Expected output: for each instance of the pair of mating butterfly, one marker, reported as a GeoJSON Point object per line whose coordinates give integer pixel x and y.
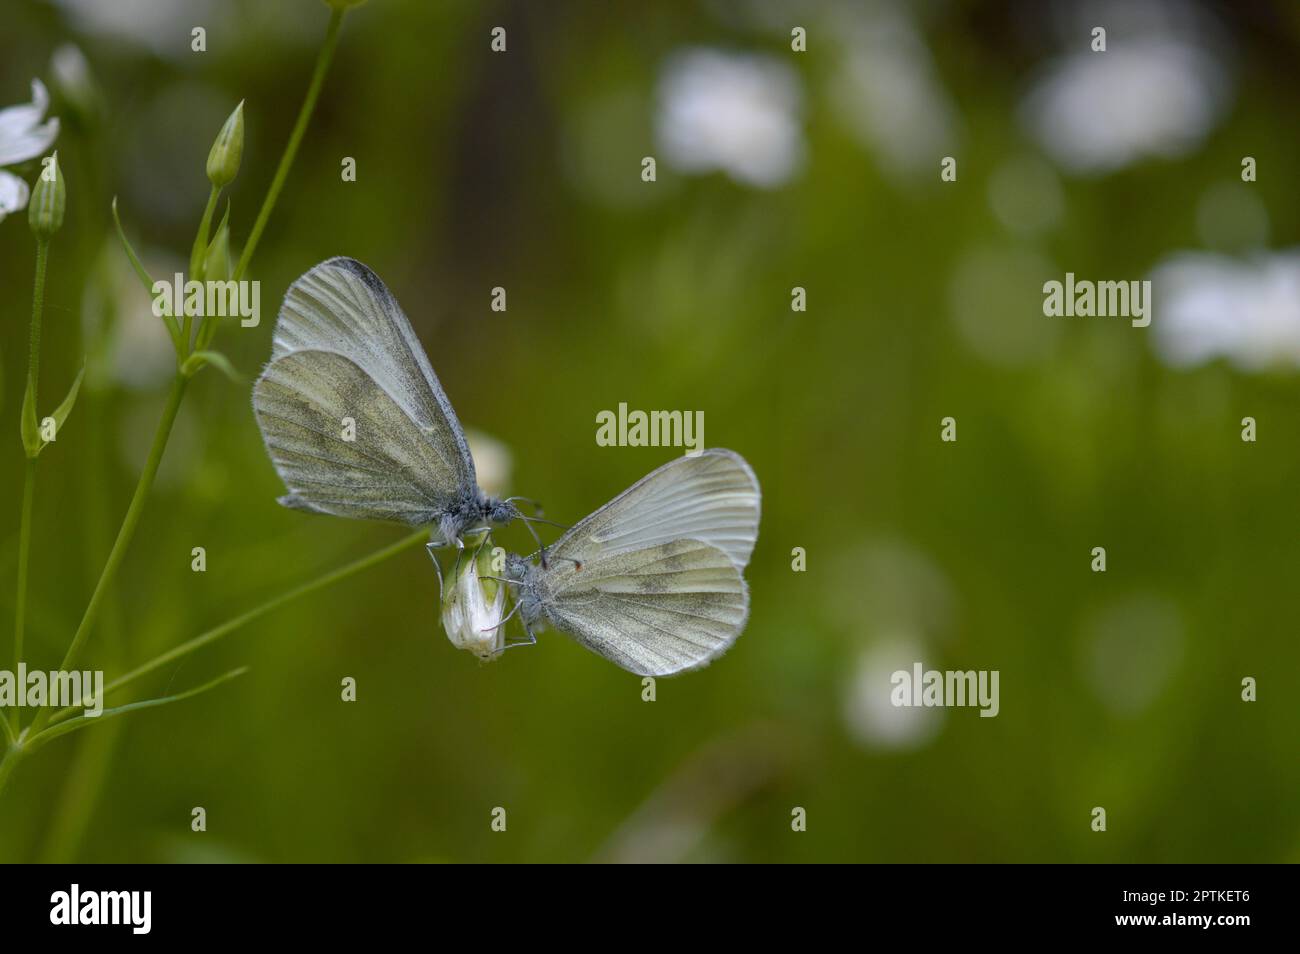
{"type": "Point", "coordinates": [651, 581]}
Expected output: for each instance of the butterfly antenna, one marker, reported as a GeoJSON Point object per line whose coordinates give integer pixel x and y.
{"type": "Point", "coordinates": [549, 523]}
{"type": "Point", "coordinates": [540, 545]}
{"type": "Point", "coordinates": [535, 504]}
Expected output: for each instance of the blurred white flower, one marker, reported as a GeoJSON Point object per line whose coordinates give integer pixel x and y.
{"type": "Point", "coordinates": [870, 715]}
{"type": "Point", "coordinates": [729, 112]}
{"type": "Point", "coordinates": [138, 354]}
{"type": "Point", "coordinates": [889, 93]}
{"type": "Point", "coordinates": [72, 79]}
{"type": "Point", "coordinates": [1210, 306]}
{"type": "Point", "coordinates": [492, 461]}
{"type": "Point", "coordinates": [23, 136]}
{"type": "Point", "coordinates": [904, 606]}
{"type": "Point", "coordinates": [1148, 97]}
{"type": "Point", "coordinates": [164, 28]}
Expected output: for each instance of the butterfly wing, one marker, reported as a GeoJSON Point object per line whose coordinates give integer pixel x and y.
{"type": "Point", "coordinates": [344, 349]}
{"type": "Point", "coordinates": [655, 611]}
{"type": "Point", "coordinates": [712, 497]}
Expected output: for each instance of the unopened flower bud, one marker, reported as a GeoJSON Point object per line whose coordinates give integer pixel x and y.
{"type": "Point", "coordinates": [49, 196]}
{"type": "Point", "coordinates": [223, 160]}
{"type": "Point", "coordinates": [472, 606]}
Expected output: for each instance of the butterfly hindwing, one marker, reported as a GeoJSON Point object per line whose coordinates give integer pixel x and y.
{"type": "Point", "coordinates": [654, 611]}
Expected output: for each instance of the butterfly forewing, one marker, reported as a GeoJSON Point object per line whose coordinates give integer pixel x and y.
{"type": "Point", "coordinates": [345, 351]}
{"type": "Point", "coordinates": [384, 471]}
{"type": "Point", "coordinates": [712, 497]}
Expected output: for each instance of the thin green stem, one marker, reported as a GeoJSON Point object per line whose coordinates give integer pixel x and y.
{"type": "Point", "coordinates": [177, 393]}
{"type": "Point", "coordinates": [38, 308]}
{"type": "Point", "coordinates": [9, 762]}
{"type": "Point", "coordinates": [29, 476]}
{"type": "Point", "coordinates": [125, 533]}
{"type": "Point", "coordinates": [197, 254]}
{"type": "Point", "coordinates": [24, 552]}
{"type": "Point", "coordinates": [243, 619]}
{"type": "Point", "coordinates": [295, 139]}
{"type": "Point", "coordinates": [72, 725]}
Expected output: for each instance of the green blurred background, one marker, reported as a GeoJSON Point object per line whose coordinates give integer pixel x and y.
{"type": "Point", "coordinates": [775, 169]}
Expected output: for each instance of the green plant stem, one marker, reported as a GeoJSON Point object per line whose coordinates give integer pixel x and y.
{"type": "Point", "coordinates": [197, 254]}
{"type": "Point", "coordinates": [87, 772]}
{"type": "Point", "coordinates": [174, 397]}
{"type": "Point", "coordinates": [38, 309]}
{"type": "Point", "coordinates": [295, 139]}
{"type": "Point", "coordinates": [29, 475]}
{"type": "Point", "coordinates": [243, 619]}
{"type": "Point", "coordinates": [9, 762]}
{"type": "Point", "coordinates": [24, 552]}
{"type": "Point", "coordinates": [125, 533]}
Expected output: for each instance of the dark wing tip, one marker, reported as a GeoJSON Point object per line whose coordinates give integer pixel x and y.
{"type": "Point", "coordinates": [358, 270]}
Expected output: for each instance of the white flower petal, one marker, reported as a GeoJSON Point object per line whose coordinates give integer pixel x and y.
{"type": "Point", "coordinates": [13, 194]}
{"type": "Point", "coordinates": [22, 135]}
{"type": "Point", "coordinates": [21, 118]}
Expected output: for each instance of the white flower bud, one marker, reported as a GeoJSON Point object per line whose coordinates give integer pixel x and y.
{"type": "Point", "coordinates": [473, 607]}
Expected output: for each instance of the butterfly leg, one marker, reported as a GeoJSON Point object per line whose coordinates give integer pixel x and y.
{"type": "Point", "coordinates": [430, 547]}
{"type": "Point", "coordinates": [505, 619]}
{"type": "Point", "coordinates": [530, 639]}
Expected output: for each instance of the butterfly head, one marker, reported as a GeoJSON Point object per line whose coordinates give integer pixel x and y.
{"type": "Point", "coordinates": [499, 511]}
{"type": "Point", "coordinates": [522, 574]}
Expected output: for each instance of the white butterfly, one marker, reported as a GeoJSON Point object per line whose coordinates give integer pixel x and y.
{"type": "Point", "coordinates": [344, 352]}
{"type": "Point", "coordinates": [652, 580]}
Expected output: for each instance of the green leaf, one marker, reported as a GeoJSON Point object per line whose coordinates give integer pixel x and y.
{"type": "Point", "coordinates": [173, 328]}
{"type": "Point", "coordinates": [63, 410]}
{"type": "Point", "coordinates": [195, 362]}
{"type": "Point", "coordinates": [72, 725]}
